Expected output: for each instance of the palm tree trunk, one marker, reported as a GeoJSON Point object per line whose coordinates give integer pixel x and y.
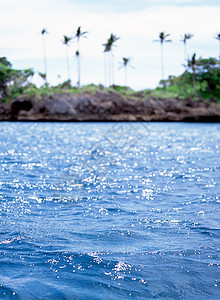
{"type": "Point", "coordinates": [219, 54]}
{"type": "Point", "coordinates": [78, 64]}
{"type": "Point", "coordinates": [185, 55]}
{"type": "Point", "coordinates": [112, 69]}
{"type": "Point", "coordinates": [162, 66]}
{"type": "Point", "coordinates": [125, 67]}
{"type": "Point", "coordinates": [78, 71]}
{"type": "Point", "coordinates": [45, 57]}
{"type": "Point", "coordinates": [67, 63]}
{"type": "Point", "coordinates": [105, 69]}
{"type": "Point", "coordinates": [194, 83]}
{"type": "Point", "coordinates": [185, 61]}
{"type": "Point", "coordinates": [109, 69]}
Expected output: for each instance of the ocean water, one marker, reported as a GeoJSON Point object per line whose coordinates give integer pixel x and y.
{"type": "Point", "coordinates": [109, 210]}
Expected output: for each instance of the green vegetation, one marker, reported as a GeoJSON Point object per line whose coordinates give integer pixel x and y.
{"type": "Point", "coordinates": [13, 82]}
{"type": "Point", "coordinates": [200, 80]}
{"type": "Point", "coordinates": [109, 45]}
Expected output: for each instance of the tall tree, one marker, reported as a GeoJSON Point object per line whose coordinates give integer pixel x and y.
{"type": "Point", "coordinates": [184, 39]}
{"type": "Point", "coordinates": [163, 39]}
{"type": "Point", "coordinates": [66, 42]}
{"type": "Point", "coordinates": [43, 32]}
{"type": "Point", "coordinates": [77, 58]}
{"type": "Point", "coordinates": [78, 35]}
{"type": "Point", "coordinates": [125, 63]}
{"type": "Point", "coordinates": [108, 50]}
{"type": "Point", "coordinates": [12, 81]}
{"type": "Point", "coordinates": [192, 64]}
{"type": "Point", "coordinates": [217, 36]}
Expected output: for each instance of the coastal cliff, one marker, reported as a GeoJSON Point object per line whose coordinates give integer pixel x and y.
{"type": "Point", "coordinates": [108, 106]}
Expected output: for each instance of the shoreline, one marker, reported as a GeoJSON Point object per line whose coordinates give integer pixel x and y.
{"type": "Point", "coordinates": [108, 107]}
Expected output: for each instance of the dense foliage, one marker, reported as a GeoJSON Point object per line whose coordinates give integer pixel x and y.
{"type": "Point", "coordinates": [208, 71]}
{"type": "Point", "coordinates": [201, 79]}
{"type": "Point", "coordinates": [13, 82]}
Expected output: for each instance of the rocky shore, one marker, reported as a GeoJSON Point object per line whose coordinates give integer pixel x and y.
{"type": "Point", "coordinates": [108, 106]}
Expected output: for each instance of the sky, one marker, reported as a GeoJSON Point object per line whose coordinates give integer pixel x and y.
{"type": "Point", "coordinates": [137, 23]}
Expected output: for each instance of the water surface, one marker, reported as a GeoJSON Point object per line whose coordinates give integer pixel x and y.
{"type": "Point", "coordinates": [109, 210]}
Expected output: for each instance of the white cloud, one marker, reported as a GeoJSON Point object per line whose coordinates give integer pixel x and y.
{"type": "Point", "coordinates": [21, 23]}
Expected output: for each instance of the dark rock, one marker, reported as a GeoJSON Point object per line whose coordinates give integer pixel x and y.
{"type": "Point", "coordinates": [18, 105]}
{"type": "Point", "coordinates": [109, 106]}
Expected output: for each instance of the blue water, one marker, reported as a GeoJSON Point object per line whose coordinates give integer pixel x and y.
{"type": "Point", "coordinates": [109, 211]}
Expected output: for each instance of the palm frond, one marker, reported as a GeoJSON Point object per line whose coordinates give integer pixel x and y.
{"type": "Point", "coordinates": [66, 40]}
{"type": "Point", "coordinates": [79, 33]}
{"type": "Point", "coordinates": [110, 42]}
{"type": "Point", "coordinates": [186, 37]}
{"type": "Point", "coordinates": [44, 31]}
{"type": "Point", "coordinates": [163, 37]}
{"type": "Point", "coordinates": [217, 36]}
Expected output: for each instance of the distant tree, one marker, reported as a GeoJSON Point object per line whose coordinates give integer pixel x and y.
{"type": "Point", "coordinates": [65, 85]}
{"type": "Point", "coordinates": [5, 75]}
{"type": "Point", "coordinates": [78, 59]}
{"type": "Point", "coordinates": [108, 50]}
{"type": "Point", "coordinates": [192, 65]}
{"type": "Point", "coordinates": [43, 32]}
{"type": "Point", "coordinates": [173, 81]}
{"type": "Point", "coordinates": [66, 42]}
{"type": "Point", "coordinates": [12, 81]}
{"type": "Point", "coordinates": [163, 39]}
{"type": "Point", "coordinates": [125, 63]}
{"type": "Point", "coordinates": [203, 72]}
{"type": "Point", "coordinates": [78, 35]}
{"type": "Point", "coordinates": [184, 39]}
{"type": "Point", "coordinates": [209, 72]}
{"type": "Point", "coordinates": [217, 36]}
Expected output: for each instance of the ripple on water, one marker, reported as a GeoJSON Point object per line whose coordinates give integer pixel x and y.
{"type": "Point", "coordinates": [85, 218]}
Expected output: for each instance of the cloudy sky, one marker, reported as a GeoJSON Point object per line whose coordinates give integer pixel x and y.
{"type": "Point", "coordinates": [137, 23]}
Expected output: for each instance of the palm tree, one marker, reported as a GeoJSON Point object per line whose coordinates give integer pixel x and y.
{"type": "Point", "coordinates": [163, 38]}
{"type": "Point", "coordinates": [184, 39]}
{"type": "Point", "coordinates": [125, 62]}
{"type": "Point", "coordinates": [43, 32]}
{"type": "Point", "coordinates": [192, 64]}
{"type": "Point", "coordinates": [66, 41]}
{"type": "Point", "coordinates": [77, 57]}
{"type": "Point", "coordinates": [217, 37]}
{"type": "Point", "coordinates": [78, 35]}
{"type": "Point", "coordinates": [108, 49]}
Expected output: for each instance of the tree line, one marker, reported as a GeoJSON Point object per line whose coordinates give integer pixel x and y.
{"type": "Point", "coordinates": [109, 57]}
{"type": "Point", "coordinates": [205, 71]}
